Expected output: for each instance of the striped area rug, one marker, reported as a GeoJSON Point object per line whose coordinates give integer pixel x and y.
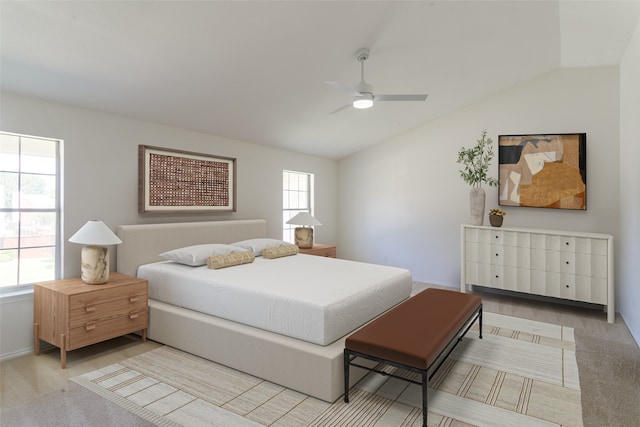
{"type": "Point", "coordinates": [522, 373]}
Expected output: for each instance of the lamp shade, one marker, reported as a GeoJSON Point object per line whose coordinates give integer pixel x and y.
{"type": "Point", "coordinates": [95, 232]}
{"type": "Point", "coordinates": [304, 218]}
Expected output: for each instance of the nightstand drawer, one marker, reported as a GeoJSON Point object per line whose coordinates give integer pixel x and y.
{"type": "Point", "coordinates": [107, 304]}
{"type": "Point", "coordinates": [96, 331]}
{"type": "Point", "coordinates": [104, 311]}
{"type": "Point", "coordinates": [86, 301]}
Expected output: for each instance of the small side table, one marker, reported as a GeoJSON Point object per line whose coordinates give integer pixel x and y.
{"type": "Point", "coordinates": [71, 314]}
{"type": "Point", "coordinates": [328, 251]}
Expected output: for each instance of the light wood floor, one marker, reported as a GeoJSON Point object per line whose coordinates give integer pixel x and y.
{"type": "Point", "coordinates": [608, 362]}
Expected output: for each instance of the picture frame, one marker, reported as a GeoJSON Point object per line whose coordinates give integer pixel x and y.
{"type": "Point", "coordinates": [177, 181]}
{"type": "Point", "coordinates": [543, 170]}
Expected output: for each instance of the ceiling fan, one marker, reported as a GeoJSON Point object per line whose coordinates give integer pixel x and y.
{"type": "Point", "coordinates": [363, 96]}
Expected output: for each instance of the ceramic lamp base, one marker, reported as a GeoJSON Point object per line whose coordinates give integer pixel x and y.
{"type": "Point", "coordinates": [95, 265]}
{"type": "Point", "coordinates": [304, 237]}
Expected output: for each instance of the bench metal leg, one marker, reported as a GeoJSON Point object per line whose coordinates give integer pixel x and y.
{"type": "Point", "coordinates": [425, 386]}
{"type": "Point", "coordinates": [480, 321]}
{"type": "Point", "coordinates": [346, 375]}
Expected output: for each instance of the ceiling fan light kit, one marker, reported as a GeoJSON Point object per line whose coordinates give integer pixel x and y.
{"type": "Point", "coordinates": [364, 97]}
{"type": "Point", "coordinates": [362, 93]}
{"type": "Point", "coordinates": [364, 101]}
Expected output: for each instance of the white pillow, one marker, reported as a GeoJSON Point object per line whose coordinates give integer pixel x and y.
{"type": "Point", "coordinates": [197, 255]}
{"type": "Point", "coordinates": [258, 245]}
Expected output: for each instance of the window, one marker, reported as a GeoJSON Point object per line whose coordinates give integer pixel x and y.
{"type": "Point", "coordinates": [30, 209]}
{"type": "Point", "coordinates": [297, 196]}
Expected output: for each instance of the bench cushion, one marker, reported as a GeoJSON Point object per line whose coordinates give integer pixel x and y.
{"type": "Point", "coordinates": [416, 331]}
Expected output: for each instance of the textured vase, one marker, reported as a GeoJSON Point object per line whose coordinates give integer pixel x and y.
{"type": "Point", "coordinates": [476, 200]}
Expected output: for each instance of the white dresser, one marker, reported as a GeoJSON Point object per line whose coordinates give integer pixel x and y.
{"type": "Point", "coordinates": [562, 264]}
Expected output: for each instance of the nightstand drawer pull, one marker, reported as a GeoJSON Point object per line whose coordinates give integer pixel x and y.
{"type": "Point", "coordinates": [90, 308]}
{"type": "Point", "coordinates": [90, 326]}
{"type": "Point", "coordinates": [133, 316]}
{"type": "Point", "coordinates": [133, 298]}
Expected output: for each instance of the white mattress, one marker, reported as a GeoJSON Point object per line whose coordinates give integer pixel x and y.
{"type": "Point", "coordinates": [307, 297]}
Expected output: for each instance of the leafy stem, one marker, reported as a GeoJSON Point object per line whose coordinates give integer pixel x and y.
{"type": "Point", "coordinates": [476, 161]}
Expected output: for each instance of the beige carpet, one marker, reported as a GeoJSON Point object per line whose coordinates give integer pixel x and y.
{"type": "Point", "coordinates": [522, 373]}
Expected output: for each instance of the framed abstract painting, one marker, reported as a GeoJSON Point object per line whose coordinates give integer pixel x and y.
{"type": "Point", "coordinates": [176, 181]}
{"type": "Point", "coordinates": [543, 171]}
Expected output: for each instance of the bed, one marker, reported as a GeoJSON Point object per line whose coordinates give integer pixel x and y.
{"type": "Point", "coordinates": [309, 360]}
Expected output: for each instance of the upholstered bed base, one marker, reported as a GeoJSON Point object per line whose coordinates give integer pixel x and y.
{"type": "Point", "coordinates": [308, 368]}
{"type": "Point", "coordinates": [299, 365]}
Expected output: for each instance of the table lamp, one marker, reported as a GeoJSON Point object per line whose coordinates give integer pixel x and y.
{"type": "Point", "coordinates": [95, 258]}
{"type": "Point", "coordinates": [304, 234]}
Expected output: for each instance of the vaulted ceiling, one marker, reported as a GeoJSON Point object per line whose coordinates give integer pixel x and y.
{"type": "Point", "coordinates": [255, 70]}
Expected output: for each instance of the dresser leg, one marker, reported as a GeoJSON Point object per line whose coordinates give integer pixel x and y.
{"type": "Point", "coordinates": [144, 335]}
{"type": "Point", "coordinates": [63, 351]}
{"type": "Point", "coordinates": [36, 333]}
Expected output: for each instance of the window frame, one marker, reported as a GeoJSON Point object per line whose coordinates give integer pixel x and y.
{"type": "Point", "coordinates": [288, 213]}
{"type": "Point", "coordinates": [57, 244]}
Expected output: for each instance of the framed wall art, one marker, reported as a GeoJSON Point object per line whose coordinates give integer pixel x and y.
{"type": "Point", "coordinates": [543, 171]}
{"type": "Point", "coordinates": [174, 181]}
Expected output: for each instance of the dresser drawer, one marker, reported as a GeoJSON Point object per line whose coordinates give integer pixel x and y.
{"type": "Point", "coordinates": [92, 332]}
{"type": "Point", "coordinates": [498, 237]}
{"type": "Point", "coordinates": [510, 238]}
{"type": "Point", "coordinates": [569, 263]}
{"type": "Point", "coordinates": [511, 278]}
{"type": "Point", "coordinates": [478, 252]}
{"type": "Point", "coordinates": [570, 286]}
{"type": "Point", "coordinates": [514, 256]}
{"type": "Point", "coordinates": [477, 235]}
{"type": "Point", "coordinates": [562, 243]}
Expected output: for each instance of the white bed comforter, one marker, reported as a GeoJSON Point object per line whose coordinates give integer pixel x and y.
{"type": "Point", "coordinates": [307, 297]}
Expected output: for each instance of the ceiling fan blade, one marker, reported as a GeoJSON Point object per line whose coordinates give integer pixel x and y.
{"type": "Point", "coordinates": [343, 88]}
{"type": "Point", "coordinates": [400, 97]}
{"type": "Point", "coordinates": [341, 108]}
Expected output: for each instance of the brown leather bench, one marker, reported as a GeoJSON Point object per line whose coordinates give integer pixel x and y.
{"type": "Point", "coordinates": [417, 335]}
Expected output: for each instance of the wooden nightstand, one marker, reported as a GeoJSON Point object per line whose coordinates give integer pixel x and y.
{"type": "Point", "coordinates": [320, 250]}
{"type": "Point", "coordinates": [71, 314]}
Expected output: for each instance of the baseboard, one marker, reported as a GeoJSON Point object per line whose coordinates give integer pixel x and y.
{"type": "Point", "coordinates": [25, 351]}
{"type": "Point", "coordinates": [635, 334]}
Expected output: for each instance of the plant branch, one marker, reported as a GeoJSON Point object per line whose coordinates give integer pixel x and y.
{"type": "Point", "coordinates": [476, 161]}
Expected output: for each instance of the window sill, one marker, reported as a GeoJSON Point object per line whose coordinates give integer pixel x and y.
{"type": "Point", "coordinates": [11, 295]}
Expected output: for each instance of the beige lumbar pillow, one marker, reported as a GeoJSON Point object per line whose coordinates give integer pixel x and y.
{"type": "Point", "coordinates": [237, 258]}
{"type": "Point", "coordinates": [279, 251]}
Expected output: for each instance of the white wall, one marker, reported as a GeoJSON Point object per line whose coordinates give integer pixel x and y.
{"type": "Point", "coordinates": [629, 254]}
{"type": "Point", "coordinates": [402, 202]}
{"type": "Point", "coordinates": [16, 325]}
{"type": "Point", "coordinates": [101, 175]}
